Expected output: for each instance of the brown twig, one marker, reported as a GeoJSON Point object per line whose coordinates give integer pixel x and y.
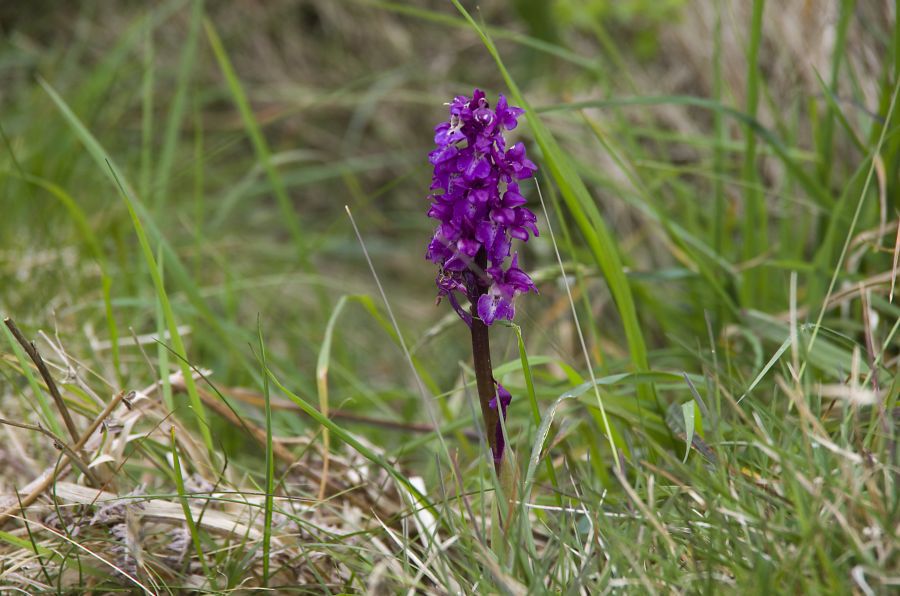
{"type": "Point", "coordinates": [99, 419]}
{"type": "Point", "coordinates": [35, 356]}
{"type": "Point", "coordinates": [391, 424]}
{"type": "Point", "coordinates": [256, 399]}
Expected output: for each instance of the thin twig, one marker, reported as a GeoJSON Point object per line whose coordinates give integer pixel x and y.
{"type": "Point", "coordinates": [35, 356]}
{"type": "Point", "coordinates": [99, 419]}
{"type": "Point", "coordinates": [253, 398]}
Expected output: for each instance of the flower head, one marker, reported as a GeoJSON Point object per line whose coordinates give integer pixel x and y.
{"type": "Point", "coordinates": [479, 206]}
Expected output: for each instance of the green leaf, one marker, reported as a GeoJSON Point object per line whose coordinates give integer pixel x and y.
{"type": "Point", "coordinates": [687, 412]}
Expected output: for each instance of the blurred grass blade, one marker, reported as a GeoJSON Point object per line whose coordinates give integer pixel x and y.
{"type": "Point", "coordinates": [537, 445]}
{"type": "Point", "coordinates": [755, 220]}
{"type": "Point", "coordinates": [270, 461]}
{"type": "Point", "coordinates": [322, 387]}
{"type": "Point", "coordinates": [775, 357]}
{"type": "Point", "coordinates": [90, 239]}
{"type": "Point", "coordinates": [162, 350]}
{"type": "Point", "coordinates": [185, 281]}
{"type": "Point", "coordinates": [532, 396]}
{"type": "Point", "coordinates": [177, 344]}
{"type": "Point", "coordinates": [348, 438]}
{"type": "Point", "coordinates": [584, 210]}
{"type": "Point", "coordinates": [260, 146]}
{"type": "Point", "coordinates": [687, 413]}
{"type": "Point", "coordinates": [821, 195]}
{"type": "Point", "coordinates": [681, 239]}
{"type": "Point", "coordinates": [607, 429]}
{"type": "Point", "coordinates": [440, 18]}
{"type": "Point", "coordinates": [147, 136]}
{"type": "Point", "coordinates": [177, 107]}
{"type": "Point", "coordinates": [25, 544]}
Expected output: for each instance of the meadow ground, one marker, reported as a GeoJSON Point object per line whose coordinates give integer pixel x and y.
{"type": "Point", "coordinates": [227, 401]}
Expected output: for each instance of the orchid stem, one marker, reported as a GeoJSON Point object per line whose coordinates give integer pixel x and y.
{"type": "Point", "coordinates": [484, 371]}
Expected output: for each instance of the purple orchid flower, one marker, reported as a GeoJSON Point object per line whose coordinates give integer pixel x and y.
{"type": "Point", "coordinates": [479, 206]}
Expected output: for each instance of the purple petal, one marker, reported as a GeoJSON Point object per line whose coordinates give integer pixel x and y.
{"type": "Point", "coordinates": [436, 252]}
{"type": "Point", "coordinates": [445, 134]}
{"type": "Point", "coordinates": [499, 249]}
{"type": "Point", "coordinates": [519, 233]}
{"type": "Point", "coordinates": [516, 153]}
{"type": "Point", "coordinates": [519, 280]}
{"type": "Point", "coordinates": [456, 264]}
{"type": "Point", "coordinates": [447, 232]}
{"type": "Point", "coordinates": [512, 198]}
{"type": "Point", "coordinates": [505, 398]}
{"type": "Point", "coordinates": [525, 218]}
{"type": "Point", "coordinates": [495, 272]}
{"type": "Point", "coordinates": [484, 232]}
{"type": "Point", "coordinates": [448, 283]}
{"type": "Point", "coordinates": [526, 170]}
{"type": "Point", "coordinates": [499, 442]}
{"type": "Point", "coordinates": [503, 216]}
{"type": "Point", "coordinates": [487, 309]}
{"type": "Point", "coordinates": [443, 154]}
{"type": "Point", "coordinates": [508, 116]}
{"type": "Point", "coordinates": [479, 205]}
{"type": "Point", "coordinates": [499, 445]}
{"type": "Point", "coordinates": [468, 246]}
{"type": "Point", "coordinates": [478, 167]}
{"type": "Point", "coordinates": [505, 309]}
{"type": "Point", "coordinates": [480, 195]}
{"type": "Point", "coordinates": [485, 117]}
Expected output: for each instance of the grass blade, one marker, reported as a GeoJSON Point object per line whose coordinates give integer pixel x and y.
{"type": "Point", "coordinates": [256, 138]}
{"type": "Point", "coordinates": [132, 203]}
{"type": "Point", "coordinates": [755, 219]}
{"type": "Point", "coordinates": [582, 207]}
{"type": "Point", "coordinates": [177, 343]}
{"type": "Point", "coordinates": [177, 109]}
{"type": "Point", "coordinates": [270, 461]}
{"type": "Point", "coordinates": [322, 386]}
{"type": "Point", "coordinates": [186, 508]}
{"type": "Point", "coordinates": [775, 357]}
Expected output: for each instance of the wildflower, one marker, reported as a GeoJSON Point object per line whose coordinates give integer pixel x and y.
{"type": "Point", "coordinates": [478, 204]}
{"type": "Point", "coordinates": [477, 201]}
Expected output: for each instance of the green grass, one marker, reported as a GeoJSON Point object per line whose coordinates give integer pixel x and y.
{"type": "Point", "coordinates": [705, 389]}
